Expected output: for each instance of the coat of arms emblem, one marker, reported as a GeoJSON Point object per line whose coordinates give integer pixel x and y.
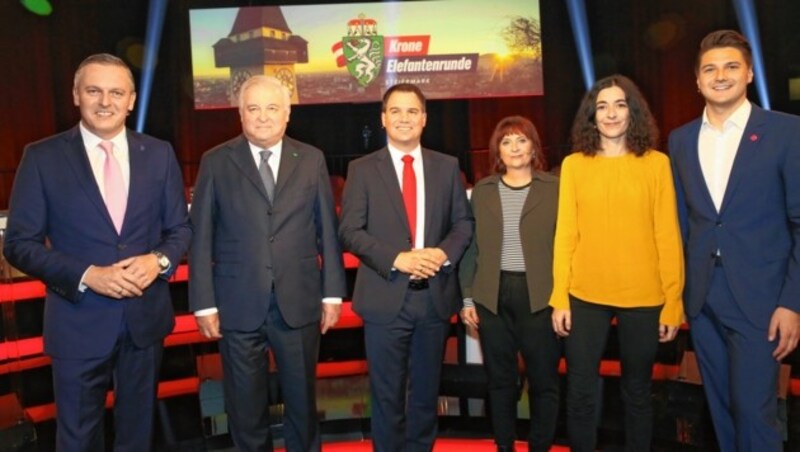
{"type": "Point", "coordinates": [363, 49]}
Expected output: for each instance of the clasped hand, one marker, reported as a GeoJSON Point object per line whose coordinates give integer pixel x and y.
{"type": "Point", "coordinates": [126, 278]}
{"type": "Point", "coordinates": [421, 262]}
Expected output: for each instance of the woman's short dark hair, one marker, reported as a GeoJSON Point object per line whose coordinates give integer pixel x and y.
{"type": "Point", "coordinates": [516, 125]}
{"type": "Point", "coordinates": [642, 133]}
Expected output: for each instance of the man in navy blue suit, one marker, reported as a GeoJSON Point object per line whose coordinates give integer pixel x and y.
{"type": "Point", "coordinates": [737, 174]}
{"type": "Point", "coordinates": [98, 214]}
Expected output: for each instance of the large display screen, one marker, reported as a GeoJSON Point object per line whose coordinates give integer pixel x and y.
{"type": "Point", "coordinates": [352, 52]}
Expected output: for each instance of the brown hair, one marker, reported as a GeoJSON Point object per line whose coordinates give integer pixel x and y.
{"type": "Point", "coordinates": [724, 38]}
{"type": "Point", "coordinates": [403, 88]}
{"type": "Point", "coordinates": [642, 133]}
{"type": "Point", "coordinates": [516, 125]}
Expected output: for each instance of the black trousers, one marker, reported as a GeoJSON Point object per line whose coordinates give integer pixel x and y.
{"type": "Point", "coordinates": [515, 329]}
{"type": "Point", "coordinates": [637, 329]}
{"type": "Point", "coordinates": [245, 364]}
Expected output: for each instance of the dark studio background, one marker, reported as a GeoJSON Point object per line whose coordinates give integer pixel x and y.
{"type": "Point", "coordinates": [652, 41]}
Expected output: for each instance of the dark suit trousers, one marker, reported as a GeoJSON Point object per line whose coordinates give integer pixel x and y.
{"type": "Point", "coordinates": [515, 329]}
{"type": "Point", "coordinates": [740, 376]}
{"type": "Point", "coordinates": [245, 364]}
{"type": "Point", "coordinates": [405, 363]}
{"type": "Point", "coordinates": [81, 385]}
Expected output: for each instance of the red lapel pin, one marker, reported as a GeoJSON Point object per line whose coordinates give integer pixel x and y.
{"type": "Point", "coordinates": [753, 138]}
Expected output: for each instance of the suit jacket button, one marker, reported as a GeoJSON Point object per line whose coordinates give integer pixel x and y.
{"type": "Point", "coordinates": [272, 239]}
{"type": "Point", "coordinates": [719, 224]}
{"type": "Point", "coordinates": [121, 246]}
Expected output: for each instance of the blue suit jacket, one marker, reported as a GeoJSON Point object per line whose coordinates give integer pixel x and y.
{"type": "Point", "coordinates": [58, 226]}
{"type": "Point", "coordinates": [757, 230]}
{"type": "Point", "coordinates": [374, 227]}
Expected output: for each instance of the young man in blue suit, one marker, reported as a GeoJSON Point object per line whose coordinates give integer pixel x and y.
{"type": "Point", "coordinates": [98, 214]}
{"type": "Point", "coordinates": [409, 222]}
{"type": "Point", "coordinates": [737, 174]}
{"type": "Point", "coordinates": [266, 269]}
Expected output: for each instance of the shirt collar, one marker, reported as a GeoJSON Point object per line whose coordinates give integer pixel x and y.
{"type": "Point", "coordinates": [92, 141]}
{"type": "Point", "coordinates": [738, 118]}
{"type": "Point", "coordinates": [276, 150]}
{"type": "Point", "coordinates": [397, 155]}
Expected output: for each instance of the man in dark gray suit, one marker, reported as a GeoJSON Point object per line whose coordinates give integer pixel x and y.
{"type": "Point", "coordinates": [266, 270]}
{"type": "Point", "coordinates": [405, 215]}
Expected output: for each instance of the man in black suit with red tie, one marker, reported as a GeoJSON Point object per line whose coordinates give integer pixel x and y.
{"type": "Point", "coordinates": [409, 222]}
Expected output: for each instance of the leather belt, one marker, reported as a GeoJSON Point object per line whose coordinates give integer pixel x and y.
{"type": "Point", "coordinates": [417, 284]}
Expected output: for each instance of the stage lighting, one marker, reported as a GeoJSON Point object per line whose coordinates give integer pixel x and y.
{"type": "Point", "coordinates": [39, 7]}
{"type": "Point", "coordinates": [580, 29]}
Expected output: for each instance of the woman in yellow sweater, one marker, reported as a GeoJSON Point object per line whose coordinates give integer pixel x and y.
{"type": "Point", "coordinates": [618, 254]}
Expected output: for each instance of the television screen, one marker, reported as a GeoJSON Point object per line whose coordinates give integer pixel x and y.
{"type": "Point", "coordinates": [353, 52]}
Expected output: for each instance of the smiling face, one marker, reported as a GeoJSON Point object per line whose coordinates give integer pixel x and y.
{"type": "Point", "coordinates": [612, 115]}
{"type": "Point", "coordinates": [722, 77]}
{"type": "Point", "coordinates": [105, 96]}
{"type": "Point", "coordinates": [404, 119]}
{"type": "Point", "coordinates": [264, 112]}
{"type": "Point", "coordinates": [516, 151]}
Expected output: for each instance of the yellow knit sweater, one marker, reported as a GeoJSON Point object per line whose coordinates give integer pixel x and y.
{"type": "Point", "coordinates": [618, 241]}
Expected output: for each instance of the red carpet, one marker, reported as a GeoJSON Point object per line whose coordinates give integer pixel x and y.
{"type": "Point", "coordinates": [442, 445]}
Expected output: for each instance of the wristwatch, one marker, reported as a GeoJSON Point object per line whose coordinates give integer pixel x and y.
{"type": "Point", "coordinates": [163, 261]}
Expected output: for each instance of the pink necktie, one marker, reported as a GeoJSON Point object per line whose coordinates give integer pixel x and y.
{"type": "Point", "coordinates": [115, 191]}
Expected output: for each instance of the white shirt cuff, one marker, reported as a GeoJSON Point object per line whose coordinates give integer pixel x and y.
{"type": "Point", "coordinates": [205, 312]}
{"type": "Point", "coordinates": [81, 286]}
{"type": "Point", "coordinates": [332, 300]}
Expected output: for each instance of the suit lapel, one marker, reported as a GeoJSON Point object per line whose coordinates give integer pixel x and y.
{"type": "Point", "coordinates": [694, 168]}
{"type": "Point", "coordinates": [137, 161]}
{"type": "Point", "coordinates": [495, 207]}
{"type": "Point", "coordinates": [430, 168]}
{"type": "Point", "coordinates": [290, 160]}
{"type": "Point", "coordinates": [243, 159]}
{"type": "Point", "coordinates": [533, 199]}
{"type": "Point", "coordinates": [388, 175]}
{"type": "Point", "coordinates": [748, 149]}
{"type": "Point", "coordinates": [78, 161]}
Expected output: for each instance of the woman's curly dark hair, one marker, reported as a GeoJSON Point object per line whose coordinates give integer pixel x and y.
{"type": "Point", "coordinates": [642, 133]}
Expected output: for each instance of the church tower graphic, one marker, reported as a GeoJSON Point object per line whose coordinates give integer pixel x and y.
{"type": "Point", "coordinates": [261, 43]}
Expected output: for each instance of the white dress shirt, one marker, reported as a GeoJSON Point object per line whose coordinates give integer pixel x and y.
{"type": "Point", "coordinates": [274, 160]}
{"type": "Point", "coordinates": [717, 150]}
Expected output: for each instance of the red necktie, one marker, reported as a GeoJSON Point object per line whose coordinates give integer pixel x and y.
{"type": "Point", "coordinates": [410, 195]}
{"type": "Point", "coordinates": [114, 190]}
